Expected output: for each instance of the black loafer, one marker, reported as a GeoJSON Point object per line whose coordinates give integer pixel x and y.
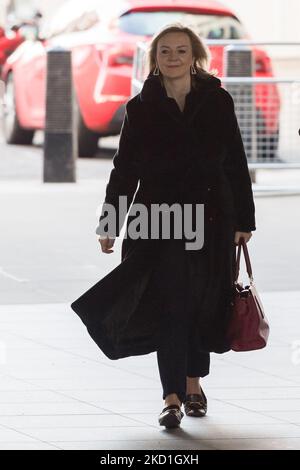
{"type": "Point", "coordinates": [195, 405]}
{"type": "Point", "coordinates": [171, 416]}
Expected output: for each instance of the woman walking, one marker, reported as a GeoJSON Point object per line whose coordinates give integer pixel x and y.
{"type": "Point", "coordinates": [181, 142]}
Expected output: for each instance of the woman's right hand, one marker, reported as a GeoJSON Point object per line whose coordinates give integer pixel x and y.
{"type": "Point", "coordinates": [106, 244]}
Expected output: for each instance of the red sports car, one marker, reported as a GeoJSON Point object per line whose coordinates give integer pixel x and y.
{"type": "Point", "coordinates": [102, 36]}
{"type": "Point", "coordinates": [9, 41]}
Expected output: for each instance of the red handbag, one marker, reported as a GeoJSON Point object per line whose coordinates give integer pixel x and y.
{"type": "Point", "coordinates": [248, 327]}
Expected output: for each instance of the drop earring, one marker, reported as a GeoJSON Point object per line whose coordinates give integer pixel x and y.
{"type": "Point", "coordinates": [156, 71]}
{"type": "Point", "coordinates": [193, 70]}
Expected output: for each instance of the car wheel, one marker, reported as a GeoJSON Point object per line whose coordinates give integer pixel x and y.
{"type": "Point", "coordinates": [14, 133]}
{"type": "Point", "coordinates": [267, 144]}
{"type": "Point", "coordinates": [87, 139]}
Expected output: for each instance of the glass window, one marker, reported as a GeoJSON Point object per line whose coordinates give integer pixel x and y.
{"type": "Point", "coordinates": [216, 33]}
{"type": "Point", "coordinates": [148, 23]}
{"type": "Point", "coordinates": [236, 32]}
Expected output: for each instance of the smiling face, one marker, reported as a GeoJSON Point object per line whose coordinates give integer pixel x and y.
{"type": "Point", "coordinates": [174, 55]}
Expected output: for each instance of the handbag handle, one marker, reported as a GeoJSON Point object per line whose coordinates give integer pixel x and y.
{"type": "Point", "coordinates": [243, 244]}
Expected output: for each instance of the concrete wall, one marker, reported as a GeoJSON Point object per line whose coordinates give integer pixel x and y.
{"type": "Point", "coordinates": [272, 19]}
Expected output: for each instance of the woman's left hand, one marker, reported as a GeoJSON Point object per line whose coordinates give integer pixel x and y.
{"type": "Point", "coordinates": [245, 235]}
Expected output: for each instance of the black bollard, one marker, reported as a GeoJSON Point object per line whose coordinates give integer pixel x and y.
{"type": "Point", "coordinates": [60, 143]}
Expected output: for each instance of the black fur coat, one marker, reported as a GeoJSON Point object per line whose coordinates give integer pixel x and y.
{"type": "Point", "coordinates": [194, 156]}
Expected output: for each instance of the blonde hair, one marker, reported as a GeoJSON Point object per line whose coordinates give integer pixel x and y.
{"type": "Point", "coordinates": [200, 51]}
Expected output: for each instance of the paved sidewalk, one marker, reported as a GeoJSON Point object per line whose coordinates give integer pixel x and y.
{"type": "Point", "coordinates": [59, 391]}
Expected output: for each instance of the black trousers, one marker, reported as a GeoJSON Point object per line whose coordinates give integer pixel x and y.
{"type": "Point", "coordinates": [178, 355]}
{"type": "Point", "coordinates": [178, 359]}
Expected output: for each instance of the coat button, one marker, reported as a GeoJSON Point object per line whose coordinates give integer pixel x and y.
{"type": "Point", "coordinates": [211, 219]}
{"type": "Point", "coordinates": [208, 189]}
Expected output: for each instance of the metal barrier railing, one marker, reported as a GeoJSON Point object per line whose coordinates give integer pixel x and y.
{"type": "Point", "coordinates": [270, 126]}
{"type": "Point", "coordinates": [267, 108]}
